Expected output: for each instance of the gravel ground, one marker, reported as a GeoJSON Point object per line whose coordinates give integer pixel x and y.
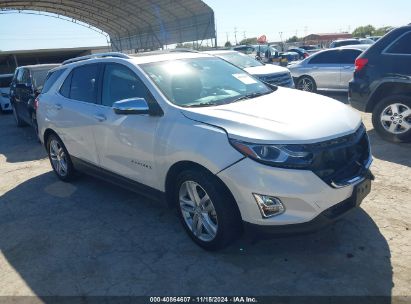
{"type": "Point", "coordinates": [92, 238]}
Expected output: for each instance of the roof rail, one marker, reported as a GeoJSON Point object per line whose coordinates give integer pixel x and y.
{"type": "Point", "coordinates": [98, 55]}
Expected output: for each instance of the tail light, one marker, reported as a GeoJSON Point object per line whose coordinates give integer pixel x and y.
{"type": "Point", "coordinates": [36, 103]}
{"type": "Point", "coordinates": [360, 63]}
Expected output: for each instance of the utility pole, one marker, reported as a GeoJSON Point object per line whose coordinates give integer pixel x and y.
{"type": "Point", "coordinates": [227, 36]}
{"type": "Point", "coordinates": [305, 31]}
{"type": "Point", "coordinates": [244, 35]}
{"type": "Point", "coordinates": [235, 35]}
{"type": "Point", "coordinates": [281, 36]}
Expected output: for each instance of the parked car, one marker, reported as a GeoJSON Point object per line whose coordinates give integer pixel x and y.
{"type": "Point", "coordinates": [224, 148]}
{"type": "Point", "coordinates": [343, 42]}
{"type": "Point", "coordinates": [263, 53]}
{"type": "Point", "coordinates": [27, 83]}
{"type": "Point", "coordinates": [375, 38]}
{"type": "Point", "coordinates": [382, 85]}
{"type": "Point", "coordinates": [366, 41]}
{"type": "Point", "coordinates": [5, 81]}
{"type": "Point", "coordinates": [331, 69]}
{"type": "Point", "coordinates": [302, 54]}
{"type": "Point", "coordinates": [269, 73]}
{"type": "Point", "coordinates": [290, 56]}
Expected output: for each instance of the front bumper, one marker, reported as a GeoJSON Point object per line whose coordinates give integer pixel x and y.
{"type": "Point", "coordinates": [305, 196]}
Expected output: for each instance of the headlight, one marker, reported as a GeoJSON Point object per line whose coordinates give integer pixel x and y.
{"type": "Point", "coordinates": [287, 156]}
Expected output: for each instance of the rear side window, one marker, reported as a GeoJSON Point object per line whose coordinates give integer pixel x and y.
{"type": "Point", "coordinates": [65, 88]}
{"type": "Point", "coordinates": [84, 83]}
{"type": "Point", "coordinates": [402, 45]}
{"type": "Point", "coordinates": [325, 58]}
{"type": "Point", "coordinates": [51, 79]}
{"type": "Point", "coordinates": [120, 83]}
{"type": "Point", "coordinates": [349, 56]}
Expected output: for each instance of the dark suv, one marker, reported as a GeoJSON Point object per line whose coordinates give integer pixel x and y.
{"type": "Point", "coordinates": [382, 85]}
{"type": "Point", "coordinates": [25, 86]}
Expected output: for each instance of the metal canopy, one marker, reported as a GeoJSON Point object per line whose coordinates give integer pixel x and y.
{"type": "Point", "coordinates": [133, 24]}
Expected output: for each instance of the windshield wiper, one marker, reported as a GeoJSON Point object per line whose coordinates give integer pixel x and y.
{"type": "Point", "coordinates": [203, 104]}
{"type": "Point", "coordinates": [251, 96]}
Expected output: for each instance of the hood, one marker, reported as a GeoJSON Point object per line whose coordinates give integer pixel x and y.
{"type": "Point", "coordinates": [266, 70]}
{"type": "Point", "coordinates": [285, 116]}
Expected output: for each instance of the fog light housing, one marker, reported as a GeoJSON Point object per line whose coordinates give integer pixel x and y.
{"type": "Point", "coordinates": [269, 206]}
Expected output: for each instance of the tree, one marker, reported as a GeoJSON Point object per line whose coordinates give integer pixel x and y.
{"type": "Point", "coordinates": [364, 31]}
{"type": "Point", "coordinates": [249, 41]}
{"type": "Point", "coordinates": [293, 39]}
{"type": "Point", "coordinates": [382, 30]}
{"type": "Point", "coordinates": [228, 44]}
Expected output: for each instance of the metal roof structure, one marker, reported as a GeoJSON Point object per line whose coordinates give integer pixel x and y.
{"type": "Point", "coordinates": [132, 24]}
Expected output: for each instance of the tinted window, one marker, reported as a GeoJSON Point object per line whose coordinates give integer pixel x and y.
{"type": "Point", "coordinates": [5, 81]}
{"type": "Point", "coordinates": [349, 56]}
{"type": "Point", "coordinates": [39, 77]}
{"type": "Point", "coordinates": [84, 83]}
{"type": "Point", "coordinates": [19, 77]}
{"type": "Point", "coordinates": [401, 46]}
{"type": "Point", "coordinates": [51, 79]}
{"type": "Point", "coordinates": [65, 88]}
{"type": "Point", "coordinates": [121, 83]}
{"type": "Point", "coordinates": [325, 58]}
{"type": "Point", "coordinates": [26, 76]}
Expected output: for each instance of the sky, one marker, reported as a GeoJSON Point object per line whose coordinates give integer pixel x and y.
{"type": "Point", "coordinates": [276, 19]}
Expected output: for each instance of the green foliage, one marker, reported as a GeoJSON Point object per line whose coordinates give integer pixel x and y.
{"type": "Point", "coordinates": [249, 41]}
{"type": "Point", "coordinates": [293, 39]}
{"type": "Point", "coordinates": [369, 30]}
{"type": "Point", "coordinates": [228, 44]}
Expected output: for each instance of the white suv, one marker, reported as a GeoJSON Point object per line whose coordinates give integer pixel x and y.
{"type": "Point", "coordinates": [223, 147]}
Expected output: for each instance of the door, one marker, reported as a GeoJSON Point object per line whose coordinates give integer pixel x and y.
{"type": "Point", "coordinates": [347, 60]}
{"type": "Point", "coordinates": [73, 111]}
{"type": "Point", "coordinates": [25, 95]}
{"type": "Point", "coordinates": [325, 69]}
{"type": "Point", "coordinates": [125, 142]}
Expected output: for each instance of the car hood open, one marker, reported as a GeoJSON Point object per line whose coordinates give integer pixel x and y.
{"type": "Point", "coordinates": [284, 116]}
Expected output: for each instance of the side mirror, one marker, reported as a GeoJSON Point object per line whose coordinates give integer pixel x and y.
{"type": "Point", "coordinates": [131, 106]}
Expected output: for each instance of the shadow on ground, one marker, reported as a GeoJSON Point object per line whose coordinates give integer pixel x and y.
{"type": "Point", "coordinates": [18, 144]}
{"type": "Point", "coordinates": [92, 238]}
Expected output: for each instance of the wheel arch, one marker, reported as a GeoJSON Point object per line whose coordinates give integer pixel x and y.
{"type": "Point", "coordinates": [387, 89]}
{"type": "Point", "coordinates": [181, 166]}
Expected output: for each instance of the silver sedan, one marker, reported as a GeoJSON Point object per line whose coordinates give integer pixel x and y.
{"type": "Point", "coordinates": [329, 70]}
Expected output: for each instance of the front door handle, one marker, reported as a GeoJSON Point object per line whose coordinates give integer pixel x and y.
{"type": "Point", "coordinates": [100, 117]}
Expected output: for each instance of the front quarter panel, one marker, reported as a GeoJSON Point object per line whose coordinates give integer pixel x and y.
{"type": "Point", "coordinates": [182, 139]}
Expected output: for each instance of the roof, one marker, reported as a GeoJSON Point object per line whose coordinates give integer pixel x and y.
{"type": "Point", "coordinates": [219, 52]}
{"type": "Point", "coordinates": [133, 24]}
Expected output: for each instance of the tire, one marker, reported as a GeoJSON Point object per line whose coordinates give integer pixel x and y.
{"type": "Point", "coordinates": [60, 159]}
{"type": "Point", "coordinates": [19, 122]}
{"type": "Point", "coordinates": [307, 84]}
{"type": "Point", "coordinates": [218, 215]}
{"type": "Point", "coordinates": [391, 118]}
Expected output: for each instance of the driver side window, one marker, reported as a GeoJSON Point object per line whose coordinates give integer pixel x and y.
{"type": "Point", "coordinates": [120, 83]}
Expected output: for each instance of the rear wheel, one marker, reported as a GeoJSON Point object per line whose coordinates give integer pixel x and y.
{"type": "Point", "coordinates": [306, 83]}
{"type": "Point", "coordinates": [207, 212]}
{"type": "Point", "coordinates": [60, 158]}
{"type": "Point", "coordinates": [392, 118]}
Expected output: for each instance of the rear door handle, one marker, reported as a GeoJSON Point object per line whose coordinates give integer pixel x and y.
{"type": "Point", "coordinates": [58, 106]}
{"type": "Point", "coordinates": [100, 117]}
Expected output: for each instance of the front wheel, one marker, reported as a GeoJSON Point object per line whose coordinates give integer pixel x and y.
{"type": "Point", "coordinates": [207, 212]}
{"type": "Point", "coordinates": [307, 84]}
{"type": "Point", "coordinates": [60, 158]}
{"type": "Point", "coordinates": [392, 118]}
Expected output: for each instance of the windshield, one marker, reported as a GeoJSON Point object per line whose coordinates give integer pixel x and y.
{"type": "Point", "coordinates": [240, 60]}
{"type": "Point", "coordinates": [198, 82]}
{"type": "Point", "coordinates": [39, 77]}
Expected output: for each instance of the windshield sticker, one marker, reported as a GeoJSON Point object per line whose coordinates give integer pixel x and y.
{"type": "Point", "coordinates": [244, 78]}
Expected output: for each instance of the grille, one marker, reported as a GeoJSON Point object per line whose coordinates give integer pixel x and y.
{"type": "Point", "coordinates": [341, 159]}
{"type": "Point", "coordinates": [282, 79]}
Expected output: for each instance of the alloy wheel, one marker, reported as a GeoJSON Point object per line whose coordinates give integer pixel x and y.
{"type": "Point", "coordinates": [198, 211]}
{"type": "Point", "coordinates": [306, 84]}
{"type": "Point", "coordinates": [396, 118]}
{"type": "Point", "coordinates": [58, 158]}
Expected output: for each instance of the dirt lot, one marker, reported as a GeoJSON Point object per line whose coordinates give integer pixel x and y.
{"type": "Point", "coordinates": [92, 238]}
